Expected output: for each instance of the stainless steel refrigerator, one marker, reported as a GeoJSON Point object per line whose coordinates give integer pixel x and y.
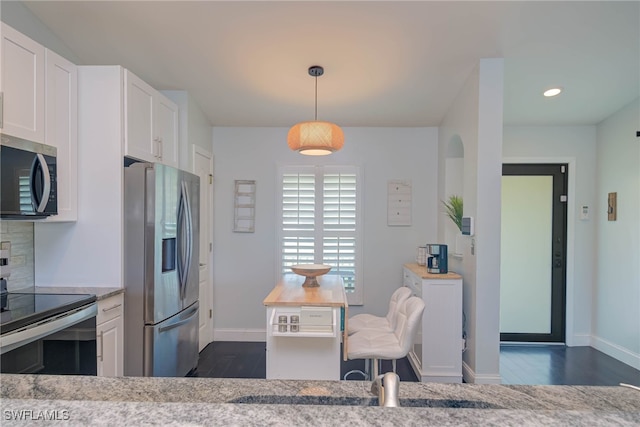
{"type": "Point", "coordinates": [161, 230]}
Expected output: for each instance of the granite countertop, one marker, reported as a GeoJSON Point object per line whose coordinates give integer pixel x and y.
{"type": "Point", "coordinates": [214, 401]}
{"type": "Point", "coordinates": [101, 292]}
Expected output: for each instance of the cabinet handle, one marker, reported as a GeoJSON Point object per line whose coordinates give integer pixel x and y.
{"type": "Point", "coordinates": [111, 308]}
{"type": "Point", "coordinates": [101, 338]}
{"type": "Point", "coordinates": [160, 148]}
{"type": "Point", "coordinates": [156, 147]}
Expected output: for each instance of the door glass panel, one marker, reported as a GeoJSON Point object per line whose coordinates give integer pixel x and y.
{"type": "Point", "coordinates": [525, 268]}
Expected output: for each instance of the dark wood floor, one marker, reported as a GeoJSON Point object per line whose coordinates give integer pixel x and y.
{"type": "Point", "coordinates": [561, 365]}
{"type": "Point", "coordinates": [519, 364]}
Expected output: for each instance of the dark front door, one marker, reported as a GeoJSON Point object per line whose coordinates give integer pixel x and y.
{"type": "Point", "coordinates": [533, 252]}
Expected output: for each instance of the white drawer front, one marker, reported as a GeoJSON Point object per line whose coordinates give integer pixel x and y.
{"type": "Point", "coordinates": [110, 308]}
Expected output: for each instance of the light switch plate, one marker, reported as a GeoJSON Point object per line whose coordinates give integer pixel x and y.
{"type": "Point", "coordinates": [584, 213]}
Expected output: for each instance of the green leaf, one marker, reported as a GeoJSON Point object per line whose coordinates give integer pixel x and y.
{"type": "Point", "coordinates": [453, 209]}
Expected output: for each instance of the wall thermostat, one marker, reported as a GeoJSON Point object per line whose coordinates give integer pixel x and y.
{"type": "Point", "coordinates": [467, 226]}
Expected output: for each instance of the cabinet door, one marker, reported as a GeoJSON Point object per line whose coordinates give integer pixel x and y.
{"type": "Point", "coordinates": [22, 85]}
{"type": "Point", "coordinates": [110, 351]}
{"type": "Point", "coordinates": [62, 130]}
{"type": "Point", "coordinates": [166, 127]}
{"type": "Point", "coordinates": [140, 141]}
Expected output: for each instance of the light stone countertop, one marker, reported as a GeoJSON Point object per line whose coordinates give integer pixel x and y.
{"type": "Point", "coordinates": [101, 292]}
{"type": "Point", "coordinates": [216, 401]}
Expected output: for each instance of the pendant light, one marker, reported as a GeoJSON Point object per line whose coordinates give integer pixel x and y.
{"type": "Point", "coordinates": [315, 138]}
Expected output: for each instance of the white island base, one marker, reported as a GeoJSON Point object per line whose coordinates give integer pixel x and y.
{"type": "Point", "coordinates": [308, 349]}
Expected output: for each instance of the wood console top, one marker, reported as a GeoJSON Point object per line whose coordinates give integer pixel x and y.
{"type": "Point", "coordinates": [289, 292]}
{"type": "Point", "coordinates": [421, 271]}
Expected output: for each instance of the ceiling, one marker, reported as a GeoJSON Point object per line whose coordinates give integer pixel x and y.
{"type": "Point", "coordinates": [387, 63]}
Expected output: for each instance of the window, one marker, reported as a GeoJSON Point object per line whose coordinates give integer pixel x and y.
{"type": "Point", "coordinates": [320, 222]}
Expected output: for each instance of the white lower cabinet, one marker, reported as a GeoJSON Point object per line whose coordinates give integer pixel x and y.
{"type": "Point", "coordinates": [436, 355]}
{"type": "Point", "coordinates": [110, 336]}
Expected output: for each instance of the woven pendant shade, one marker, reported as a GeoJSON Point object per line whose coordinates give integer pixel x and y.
{"type": "Point", "coordinates": [315, 138]}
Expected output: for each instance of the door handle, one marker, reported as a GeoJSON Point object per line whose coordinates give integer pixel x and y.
{"type": "Point", "coordinates": [40, 200]}
{"type": "Point", "coordinates": [181, 322]}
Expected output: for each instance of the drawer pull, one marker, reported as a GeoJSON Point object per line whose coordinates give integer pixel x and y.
{"type": "Point", "coordinates": [111, 308]}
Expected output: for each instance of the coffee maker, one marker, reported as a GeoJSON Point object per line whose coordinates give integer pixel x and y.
{"type": "Point", "coordinates": [437, 258]}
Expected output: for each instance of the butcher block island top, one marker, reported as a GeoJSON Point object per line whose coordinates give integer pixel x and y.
{"type": "Point", "coordinates": [421, 271]}
{"type": "Point", "coordinates": [289, 292]}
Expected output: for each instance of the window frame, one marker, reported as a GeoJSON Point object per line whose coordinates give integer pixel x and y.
{"type": "Point", "coordinates": [355, 297]}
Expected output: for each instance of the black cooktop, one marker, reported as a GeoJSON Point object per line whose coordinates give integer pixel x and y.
{"type": "Point", "coordinates": [22, 309]}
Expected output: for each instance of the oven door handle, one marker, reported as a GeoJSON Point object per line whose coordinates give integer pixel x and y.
{"type": "Point", "coordinates": [46, 327]}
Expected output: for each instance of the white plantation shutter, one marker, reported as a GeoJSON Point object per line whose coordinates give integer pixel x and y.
{"type": "Point", "coordinates": [320, 222]}
{"type": "Point", "coordinates": [298, 219]}
{"type": "Point", "coordinates": [339, 224]}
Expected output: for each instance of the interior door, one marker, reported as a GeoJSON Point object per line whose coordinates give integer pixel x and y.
{"type": "Point", "coordinates": [202, 161]}
{"type": "Point", "coordinates": [533, 252]}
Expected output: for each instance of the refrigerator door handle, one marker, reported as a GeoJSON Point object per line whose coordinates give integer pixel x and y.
{"type": "Point", "coordinates": [189, 223]}
{"type": "Point", "coordinates": [180, 322]}
{"type": "Point", "coordinates": [185, 229]}
{"type": "Point", "coordinates": [180, 252]}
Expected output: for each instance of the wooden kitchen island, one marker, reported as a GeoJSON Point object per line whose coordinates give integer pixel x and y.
{"type": "Point", "coordinates": [309, 347]}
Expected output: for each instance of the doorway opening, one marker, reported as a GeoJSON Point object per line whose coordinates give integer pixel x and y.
{"type": "Point", "coordinates": [533, 253]}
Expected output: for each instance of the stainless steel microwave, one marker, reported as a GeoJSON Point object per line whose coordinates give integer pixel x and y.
{"type": "Point", "coordinates": [28, 181]}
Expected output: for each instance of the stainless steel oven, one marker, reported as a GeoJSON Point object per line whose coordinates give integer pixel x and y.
{"type": "Point", "coordinates": [48, 334]}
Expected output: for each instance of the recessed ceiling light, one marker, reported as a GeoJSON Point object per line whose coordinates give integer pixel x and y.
{"type": "Point", "coordinates": [552, 92]}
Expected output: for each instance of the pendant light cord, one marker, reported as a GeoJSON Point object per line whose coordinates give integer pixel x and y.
{"type": "Point", "coordinates": [316, 111]}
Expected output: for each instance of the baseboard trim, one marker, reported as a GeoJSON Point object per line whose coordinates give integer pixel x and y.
{"type": "Point", "coordinates": [471, 377]}
{"type": "Point", "coordinates": [248, 335]}
{"type": "Point", "coordinates": [579, 340]}
{"type": "Point", "coordinates": [622, 354]}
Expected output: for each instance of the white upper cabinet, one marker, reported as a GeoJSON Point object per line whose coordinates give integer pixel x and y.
{"type": "Point", "coordinates": [166, 126]}
{"type": "Point", "coordinates": [22, 69]}
{"type": "Point", "coordinates": [139, 133]}
{"type": "Point", "coordinates": [151, 125]}
{"type": "Point", "coordinates": [62, 131]}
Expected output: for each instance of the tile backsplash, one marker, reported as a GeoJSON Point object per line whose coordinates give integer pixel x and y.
{"type": "Point", "coordinates": [20, 234]}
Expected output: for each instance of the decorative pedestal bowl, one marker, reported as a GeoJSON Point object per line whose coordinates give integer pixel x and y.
{"type": "Point", "coordinates": [310, 271]}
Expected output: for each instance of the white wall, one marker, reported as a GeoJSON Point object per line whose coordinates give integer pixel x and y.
{"type": "Point", "coordinates": [616, 325]}
{"type": "Point", "coordinates": [476, 118]}
{"type": "Point", "coordinates": [575, 145]}
{"type": "Point", "coordinates": [18, 16]}
{"type": "Point", "coordinates": [245, 264]}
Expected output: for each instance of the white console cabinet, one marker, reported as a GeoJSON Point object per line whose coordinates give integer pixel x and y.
{"type": "Point", "coordinates": [110, 336]}
{"type": "Point", "coordinates": [436, 355]}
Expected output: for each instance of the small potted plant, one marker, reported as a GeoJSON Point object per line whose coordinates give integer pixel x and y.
{"type": "Point", "coordinates": [453, 209]}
